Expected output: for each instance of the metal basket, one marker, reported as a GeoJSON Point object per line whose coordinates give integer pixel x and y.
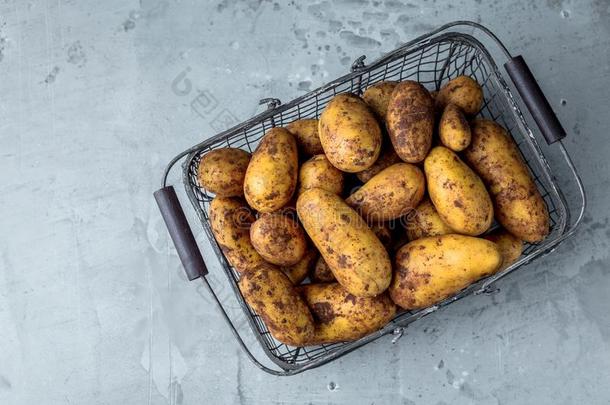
{"type": "Point", "coordinates": [432, 60]}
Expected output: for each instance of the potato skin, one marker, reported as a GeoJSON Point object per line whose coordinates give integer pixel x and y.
{"type": "Point", "coordinates": [426, 221]}
{"type": "Point", "coordinates": [271, 176]}
{"type": "Point", "coordinates": [518, 204]}
{"type": "Point", "coordinates": [462, 91]}
{"type": "Point", "coordinates": [350, 134]}
{"type": "Point", "coordinates": [350, 248]}
{"type": "Point", "coordinates": [305, 132]}
{"type": "Point", "coordinates": [387, 158]}
{"type": "Point", "coordinates": [321, 273]}
{"type": "Point", "coordinates": [510, 246]}
{"type": "Point", "coordinates": [410, 121]}
{"type": "Point", "coordinates": [278, 239]}
{"type": "Point", "coordinates": [297, 272]}
{"type": "Point", "coordinates": [272, 296]}
{"type": "Point", "coordinates": [458, 194]}
{"type": "Point", "coordinates": [378, 96]}
{"type": "Point", "coordinates": [340, 316]}
{"type": "Point", "coordinates": [230, 219]}
{"type": "Point", "coordinates": [222, 171]}
{"type": "Point", "coordinates": [428, 270]}
{"type": "Point", "coordinates": [319, 172]}
{"type": "Point", "coordinates": [453, 129]}
{"type": "Point", "coordinates": [390, 194]}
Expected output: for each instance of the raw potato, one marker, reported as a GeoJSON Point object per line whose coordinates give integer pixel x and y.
{"type": "Point", "coordinates": [425, 221]}
{"type": "Point", "coordinates": [510, 246]}
{"type": "Point", "coordinates": [518, 204]}
{"type": "Point", "coordinates": [384, 233]}
{"type": "Point", "coordinates": [278, 239]}
{"type": "Point", "coordinates": [318, 172]}
{"type": "Point", "coordinates": [272, 296]}
{"type": "Point", "coordinates": [453, 129]}
{"type": "Point", "coordinates": [271, 177]}
{"type": "Point", "coordinates": [457, 193]}
{"type": "Point", "coordinates": [297, 272]}
{"type": "Point", "coordinates": [350, 248]}
{"type": "Point", "coordinates": [322, 273]}
{"type": "Point", "coordinates": [230, 219]}
{"type": "Point", "coordinates": [222, 171]}
{"type": "Point", "coordinates": [377, 97]}
{"type": "Point", "coordinates": [463, 92]}
{"type": "Point", "coordinates": [350, 134]}
{"type": "Point", "coordinates": [390, 194]}
{"type": "Point", "coordinates": [428, 270]}
{"type": "Point", "coordinates": [410, 121]}
{"type": "Point", "coordinates": [341, 317]}
{"type": "Point", "coordinates": [386, 159]}
{"type": "Point", "coordinates": [305, 132]}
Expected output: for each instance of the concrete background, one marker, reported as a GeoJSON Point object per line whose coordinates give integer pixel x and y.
{"type": "Point", "coordinates": [97, 96]}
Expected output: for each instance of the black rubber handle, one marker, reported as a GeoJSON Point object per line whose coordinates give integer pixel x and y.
{"type": "Point", "coordinates": [180, 232]}
{"type": "Point", "coordinates": [534, 99]}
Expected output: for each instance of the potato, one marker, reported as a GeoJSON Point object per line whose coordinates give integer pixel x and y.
{"type": "Point", "coordinates": [518, 204]}
{"type": "Point", "coordinates": [510, 246]}
{"type": "Point", "coordinates": [410, 121]}
{"type": "Point", "coordinates": [390, 194]}
{"type": "Point", "coordinates": [340, 316]}
{"type": "Point", "coordinates": [271, 176]}
{"type": "Point", "coordinates": [453, 129]}
{"type": "Point", "coordinates": [425, 221]}
{"type": "Point", "coordinates": [428, 270]}
{"type": "Point", "coordinates": [222, 171]}
{"type": "Point", "coordinates": [386, 158]}
{"type": "Point", "coordinates": [458, 194]}
{"type": "Point", "coordinates": [297, 272]}
{"type": "Point", "coordinates": [322, 273]}
{"type": "Point", "coordinates": [462, 91]}
{"type": "Point", "coordinates": [384, 233]}
{"type": "Point", "coordinates": [350, 248]}
{"type": "Point", "coordinates": [278, 239]}
{"type": "Point", "coordinates": [305, 132]}
{"type": "Point", "coordinates": [377, 97]}
{"type": "Point", "coordinates": [272, 296]}
{"type": "Point", "coordinates": [350, 134]}
{"type": "Point", "coordinates": [230, 219]}
{"type": "Point", "coordinates": [318, 172]}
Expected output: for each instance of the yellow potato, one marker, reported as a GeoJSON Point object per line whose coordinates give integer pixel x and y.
{"type": "Point", "coordinates": [377, 97]}
{"type": "Point", "coordinates": [297, 272]}
{"type": "Point", "coordinates": [390, 194]}
{"type": "Point", "coordinates": [510, 246]}
{"type": "Point", "coordinates": [384, 233]}
{"type": "Point", "coordinates": [386, 159]}
{"type": "Point", "coordinates": [222, 171]}
{"type": "Point", "coordinates": [322, 273]}
{"type": "Point", "coordinates": [350, 248]}
{"type": "Point", "coordinates": [271, 176]}
{"type": "Point", "coordinates": [410, 121]}
{"type": "Point", "coordinates": [305, 132]}
{"type": "Point", "coordinates": [519, 206]}
{"type": "Point", "coordinates": [318, 172]}
{"type": "Point", "coordinates": [278, 239]}
{"type": "Point", "coordinates": [340, 316]}
{"type": "Point", "coordinates": [462, 91]}
{"type": "Point", "coordinates": [458, 194]}
{"type": "Point", "coordinates": [425, 221]}
{"type": "Point", "coordinates": [230, 219]}
{"type": "Point", "coordinates": [431, 269]}
{"type": "Point", "coordinates": [453, 129]}
{"type": "Point", "coordinates": [350, 134]}
{"type": "Point", "coordinates": [272, 296]}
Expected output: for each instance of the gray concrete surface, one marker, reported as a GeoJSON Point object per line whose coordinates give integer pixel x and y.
{"type": "Point", "coordinates": [97, 96]}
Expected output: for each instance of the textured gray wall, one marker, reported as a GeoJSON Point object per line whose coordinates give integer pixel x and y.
{"type": "Point", "coordinates": [96, 97]}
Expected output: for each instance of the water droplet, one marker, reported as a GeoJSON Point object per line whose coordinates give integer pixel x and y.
{"type": "Point", "coordinates": [563, 101]}
{"type": "Point", "coordinates": [565, 14]}
{"type": "Point", "coordinates": [332, 386]}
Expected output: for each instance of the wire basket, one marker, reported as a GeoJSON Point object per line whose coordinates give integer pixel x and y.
{"type": "Point", "coordinates": [432, 60]}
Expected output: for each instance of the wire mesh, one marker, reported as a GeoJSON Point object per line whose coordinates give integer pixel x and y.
{"type": "Point", "coordinates": [432, 62]}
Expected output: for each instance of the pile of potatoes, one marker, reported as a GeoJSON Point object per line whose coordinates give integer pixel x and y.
{"type": "Point", "coordinates": [384, 204]}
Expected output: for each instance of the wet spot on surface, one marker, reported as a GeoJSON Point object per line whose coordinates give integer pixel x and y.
{"type": "Point", "coordinates": [52, 75]}
{"type": "Point", "coordinates": [76, 55]}
{"type": "Point", "coordinates": [358, 41]}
